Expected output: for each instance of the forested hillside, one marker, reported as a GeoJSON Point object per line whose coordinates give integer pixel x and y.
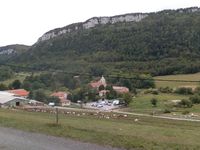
{"type": "Point", "coordinates": [166, 42]}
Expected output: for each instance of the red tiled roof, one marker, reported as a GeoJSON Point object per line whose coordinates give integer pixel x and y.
{"type": "Point", "coordinates": [59, 94]}
{"type": "Point", "coordinates": [19, 92]}
{"type": "Point", "coordinates": [62, 96]}
{"type": "Point", "coordinates": [121, 89]}
{"type": "Point", "coordinates": [95, 84]}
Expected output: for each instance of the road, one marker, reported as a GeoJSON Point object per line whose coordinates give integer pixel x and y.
{"type": "Point", "coordinates": [11, 139]}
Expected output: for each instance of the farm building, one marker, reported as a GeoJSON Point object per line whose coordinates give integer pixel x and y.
{"type": "Point", "coordinates": [63, 98]}
{"type": "Point", "coordinates": [9, 100]}
{"type": "Point", "coordinates": [19, 92]}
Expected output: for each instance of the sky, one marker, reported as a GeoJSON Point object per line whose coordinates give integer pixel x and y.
{"type": "Point", "coordinates": [24, 21]}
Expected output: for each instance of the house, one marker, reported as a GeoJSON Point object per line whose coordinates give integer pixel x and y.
{"type": "Point", "coordinates": [97, 84]}
{"type": "Point", "coordinates": [8, 99]}
{"type": "Point", "coordinates": [121, 89]}
{"type": "Point", "coordinates": [63, 98]}
{"type": "Point", "coordinates": [19, 92]}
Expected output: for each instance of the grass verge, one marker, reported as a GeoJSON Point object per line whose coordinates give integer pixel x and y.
{"type": "Point", "coordinates": [146, 134]}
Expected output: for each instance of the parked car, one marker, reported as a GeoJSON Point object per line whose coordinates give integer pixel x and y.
{"type": "Point", "coordinates": [51, 104]}
{"type": "Point", "coordinates": [99, 105]}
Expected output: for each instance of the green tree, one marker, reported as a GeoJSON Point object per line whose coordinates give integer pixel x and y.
{"type": "Point", "coordinates": [127, 97]}
{"type": "Point", "coordinates": [5, 73]}
{"type": "Point", "coordinates": [154, 102]}
{"type": "Point", "coordinates": [185, 103]}
{"type": "Point", "coordinates": [195, 99]}
{"type": "Point", "coordinates": [16, 84]}
{"type": "Point", "coordinates": [101, 87]}
{"type": "Point", "coordinates": [3, 87]}
{"type": "Point", "coordinates": [40, 95]}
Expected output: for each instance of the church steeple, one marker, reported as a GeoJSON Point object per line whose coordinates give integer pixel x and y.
{"type": "Point", "coordinates": [103, 81]}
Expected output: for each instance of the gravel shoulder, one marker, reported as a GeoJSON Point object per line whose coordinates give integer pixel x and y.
{"type": "Point", "coordinates": [12, 139]}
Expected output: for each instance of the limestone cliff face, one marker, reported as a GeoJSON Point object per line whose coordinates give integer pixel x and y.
{"type": "Point", "coordinates": [93, 22]}
{"type": "Point", "coordinates": [8, 51]}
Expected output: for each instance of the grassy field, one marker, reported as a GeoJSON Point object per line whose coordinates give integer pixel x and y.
{"type": "Point", "coordinates": [18, 76]}
{"type": "Point", "coordinates": [146, 134]}
{"type": "Point", "coordinates": [189, 77]}
{"type": "Point", "coordinates": [142, 104]}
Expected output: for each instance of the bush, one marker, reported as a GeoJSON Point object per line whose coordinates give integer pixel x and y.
{"type": "Point", "coordinates": [151, 91]}
{"type": "Point", "coordinates": [184, 103]}
{"type": "Point", "coordinates": [154, 102]}
{"type": "Point", "coordinates": [197, 90]}
{"type": "Point", "coordinates": [167, 111]}
{"type": "Point", "coordinates": [165, 89]}
{"type": "Point", "coordinates": [184, 90]}
{"type": "Point", "coordinates": [195, 99]}
{"type": "Point", "coordinates": [185, 112]}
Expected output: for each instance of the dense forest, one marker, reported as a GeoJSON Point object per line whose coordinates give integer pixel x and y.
{"type": "Point", "coordinates": [166, 42]}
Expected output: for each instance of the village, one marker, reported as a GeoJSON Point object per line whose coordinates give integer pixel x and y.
{"type": "Point", "coordinates": [19, 98]}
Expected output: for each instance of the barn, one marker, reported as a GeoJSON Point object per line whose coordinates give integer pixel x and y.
{"type": "Point", "coordinates": [10, 100]}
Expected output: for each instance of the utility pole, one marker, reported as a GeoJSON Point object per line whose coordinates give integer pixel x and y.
{"type": "Point", "coordinates": [56, 115]}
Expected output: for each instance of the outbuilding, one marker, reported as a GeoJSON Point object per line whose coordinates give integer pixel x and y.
{"type": "Point", "coordinates": [9, 100]}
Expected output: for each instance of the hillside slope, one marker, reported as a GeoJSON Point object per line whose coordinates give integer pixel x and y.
{"type": "Point", "coordinates": [9, 51]}
{"type": "Point", "coordinates": [166, 42]}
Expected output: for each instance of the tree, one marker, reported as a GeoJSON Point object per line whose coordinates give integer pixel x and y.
{"type": "Point", "coordinates": [112, 94]}
{"type": "Point", "coordinates": [40, 95]}
{"type": "Point", "coordinates": [195, 99]}
{"type": "Point", "coordinates": [154, 102]}
{"type": "Point", "coordinates": [184, 90]}
{"type": "Point", "coordinates": [31, 95]}
{"type": "Point", "coordinates": [185, 103]}
{"type": "Point", "coordinates": [92, 95]}
{"type": "Point", "coordinates": [3, 87]}
{"type": "Point", "coordinates": [16, 84]}
{"type": "Point", "coordinates": [127, 97]}
{"type": "Point", "coordinates": [101, 87]}
{"type": "Point", "coordinates": [5, 73]}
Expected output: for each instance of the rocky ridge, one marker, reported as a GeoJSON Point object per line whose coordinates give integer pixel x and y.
{"type": "Point", "coordinates": [93, 22]}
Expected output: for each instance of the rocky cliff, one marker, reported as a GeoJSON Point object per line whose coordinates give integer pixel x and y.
{"type": "Point", "coordinates": [93, 22]}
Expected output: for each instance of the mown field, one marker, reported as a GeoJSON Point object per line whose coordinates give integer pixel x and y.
{"type": "Point", "coordinates": [146, 134]}
{"type": "Point", "coordinates": [188, 77]}
{"type": "Point", "coordinates": [142, 103]}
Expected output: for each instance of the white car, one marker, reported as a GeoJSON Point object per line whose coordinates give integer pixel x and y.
{"type": "Point", "coordinates": [51, 104]}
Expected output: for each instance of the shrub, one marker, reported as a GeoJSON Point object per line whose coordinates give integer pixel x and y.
{"type": "Point", "coordinates": [197, 90]}
{"type": "Point", "coordinates": [167, 111]}
{"type": "Point", "coordinates": [185, 103]}
{"type": "Point", "coordinates": [184, 90]}
{"type": "Point", "coordinates": [185, 112]}
{"type": "Point", "coordinates": [195, 99]}
{"type": "Point", "coordinates": [165, 89]}
{"type": "Point", "coordinates": [151, 91]}
{"type": "Point", "coordinates": [154, 102]}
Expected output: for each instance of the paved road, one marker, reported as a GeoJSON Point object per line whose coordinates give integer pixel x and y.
{"type": "Point", "coordinates": [11, 139]}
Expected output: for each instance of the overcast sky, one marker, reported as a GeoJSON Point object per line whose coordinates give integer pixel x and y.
{"type": "Point", "coordinates": [24, 21]}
